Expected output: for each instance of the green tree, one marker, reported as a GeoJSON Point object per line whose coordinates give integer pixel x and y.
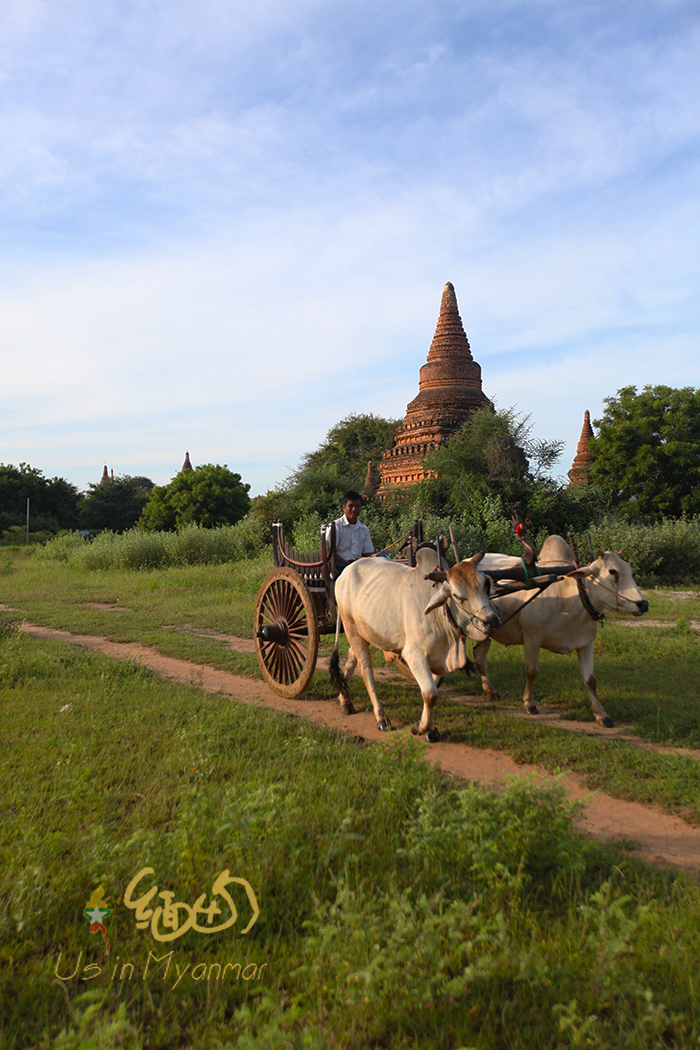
{"type": "Point", "coordinates": [492, 455]}
{"type": "Point", "coordinates": [647, 451]}
{"type": "Point", "coordinates": [338, 464]}
{"type": "Point", "coordinates": [52, 502]}
{"type": "Point", "coordinates": [115, 503]}
{"type": "Point", "coordinates": [208, 495]}
{"type": "Point", "coordinates": [349, 445]}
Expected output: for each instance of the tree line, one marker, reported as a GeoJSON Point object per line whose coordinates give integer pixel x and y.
{"type": "Point", "coordinates": [646, 467]}
{"type": "Point", "coordinates": [209, 495]}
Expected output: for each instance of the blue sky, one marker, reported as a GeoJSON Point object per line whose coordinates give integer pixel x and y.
{"type": "Point", "coordinates": [227, 226]}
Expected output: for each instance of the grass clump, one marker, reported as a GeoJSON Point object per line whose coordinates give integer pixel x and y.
{"type": "Point", "coordinates": [139, 549]}
{"type": "Point", "coordinates": [665, 552]}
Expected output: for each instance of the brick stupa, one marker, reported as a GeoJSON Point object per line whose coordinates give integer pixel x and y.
{"type": "Point", "coordinates": [449, 391]}
{"type": "Point", "coordinates": [580, 473]}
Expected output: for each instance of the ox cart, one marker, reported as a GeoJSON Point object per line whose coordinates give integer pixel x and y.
{"type": "Point", "coordinates": [296, 605]}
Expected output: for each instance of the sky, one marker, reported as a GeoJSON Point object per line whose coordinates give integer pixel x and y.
{"type": "Point", "coordinates": [226, 226]}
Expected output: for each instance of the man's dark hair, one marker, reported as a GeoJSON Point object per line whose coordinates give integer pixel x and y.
{"type": "Point", "coordinates": [351, 495]}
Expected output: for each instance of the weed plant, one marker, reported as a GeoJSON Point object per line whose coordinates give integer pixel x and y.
{"type": "Point", "coordinates": [396, 910]}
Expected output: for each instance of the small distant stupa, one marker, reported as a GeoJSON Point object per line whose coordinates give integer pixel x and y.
{"type": "Point", "coordinates": [106, 476]}
{"type": "Point", "coordinates": [372, 481]}
{"type": "Point", "coordinates": [186, 465]}
{"type": "Point", "coordinates": [580, 473]}
{"type": "Point", "coordinates": [449, 391]}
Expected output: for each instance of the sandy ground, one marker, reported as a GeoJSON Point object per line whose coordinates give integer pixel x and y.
{"type": "Point", "coordinates": [645, 831]}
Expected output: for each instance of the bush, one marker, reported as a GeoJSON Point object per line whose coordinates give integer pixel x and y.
{"type": "Point", "coordinates": [668, 552]}
{"type": "Point", "coordinates": [62, 547]}
{"type": "Point", "coordinates": [138, 549]}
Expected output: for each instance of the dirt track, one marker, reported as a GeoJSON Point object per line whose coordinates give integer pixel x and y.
{"type": "Point", "coordinates": [656, 835]}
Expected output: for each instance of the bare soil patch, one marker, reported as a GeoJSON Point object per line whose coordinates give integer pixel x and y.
{"type": "Point", "coordinates": [645, 831]}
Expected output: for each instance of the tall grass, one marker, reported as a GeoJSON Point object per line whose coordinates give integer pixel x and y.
{"type": "Point", "coordinates": [667, 552]}
{"type": "Point", "coordinates": [137, 549]}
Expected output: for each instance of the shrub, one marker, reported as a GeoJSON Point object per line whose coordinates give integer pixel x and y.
{"type": "Point", "coordinates": [668, 552]}
{"type": "Point", "coordinates": [62, 547]}
{"type": "Point", "coordinates": [138, 549]}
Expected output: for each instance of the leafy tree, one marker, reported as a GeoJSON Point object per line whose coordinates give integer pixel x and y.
{"type": "Point", "coordinates": [647, 451]}
{"type": "Point", "coordinates": [52, 502]}
{"type": "Point", "coordinates": [208, 495]}
{"type": "Point", "coordinates": [349, 445]}
{"type": "Point", "coordinates": [338, 464]}
{"type": "Point", "coordinates": [491, 455]}
{"type": "Point", "coordinates": [115, 503]}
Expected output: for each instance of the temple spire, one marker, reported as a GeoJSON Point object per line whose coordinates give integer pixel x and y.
{"type": "Point", "coordinates": [450, 339]}
{"type": "Point", "coordinates": [580, 473]}
{"type": "Point", "coordinates": [449, 391]}
{"type": "Point", "coordinates": [186, 465]}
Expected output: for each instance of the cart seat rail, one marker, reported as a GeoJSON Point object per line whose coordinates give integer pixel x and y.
{"type": "Point", "coordinates": [316, 569]}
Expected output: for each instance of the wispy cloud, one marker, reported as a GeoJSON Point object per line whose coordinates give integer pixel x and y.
{"type": "Point", "coordinates": [228, 225]}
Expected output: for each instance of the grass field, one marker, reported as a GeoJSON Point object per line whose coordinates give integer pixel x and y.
{"type": "Point", "coordinates": [396, 910]}
{"type": "Point", "coordinates": [648, 676]}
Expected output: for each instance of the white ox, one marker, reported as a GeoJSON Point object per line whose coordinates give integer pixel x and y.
{"type": "Point", "coordinates": [418, 618]}
{"type": "Point", "coordinates": [557, 619]}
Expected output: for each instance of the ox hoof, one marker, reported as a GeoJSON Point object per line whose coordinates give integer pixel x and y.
{"type": "Point", "coordinates": [414, 729]}
{"type": "Point", "coordinates": [383, 724]}
{"type": "Point", "coordinates": [433, 736]}
{"type": "Point", "coordinates": [607, 722]}
{"type": "Point", "coordinates": [492, 696]}
{"type": "Point", "coordinates": [531, 709]}
{"type": "Point", "coordinates": [347, 708]}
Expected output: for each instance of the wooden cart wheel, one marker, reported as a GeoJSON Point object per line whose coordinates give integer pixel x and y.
{"type": "Point", "coordinates": [286, 633]}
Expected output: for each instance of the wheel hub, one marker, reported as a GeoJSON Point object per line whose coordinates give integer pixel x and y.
{"type": "Point", "coordinates": [277, 632]}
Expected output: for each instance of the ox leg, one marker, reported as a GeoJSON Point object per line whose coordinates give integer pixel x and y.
{"type": "Point", "coordinates": [481, 651]}
{"type": "Point", "coordinates": [346, 706]}
{"type": "Point", "coordinates": [359, 654]}
{"type": "Point", "coordinates": [428, 687]}
{"type": "Point", "coordinates": [532, 652]}
{"type": "Point", "coordinates": [585, 662]}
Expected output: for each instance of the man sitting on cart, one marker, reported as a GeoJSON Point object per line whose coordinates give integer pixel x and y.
{"type": "Point", "coordinates": [352, 538]}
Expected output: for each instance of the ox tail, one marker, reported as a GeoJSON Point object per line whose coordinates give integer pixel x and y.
{"type": "Point", "coordinates": [469, 668]}
{"type": "Point", "coordinates": [338, 680]}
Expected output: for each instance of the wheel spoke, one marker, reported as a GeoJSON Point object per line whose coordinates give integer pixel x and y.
{"type": "Point", "coordinates": [287, 666]}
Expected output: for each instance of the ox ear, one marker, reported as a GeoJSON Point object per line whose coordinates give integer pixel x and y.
{"type": "Point", "coordinates": [621, 554]}
{"type": "Point", "coordinates": [437, 576]}
{"type": "Point", "coordinates": [442, 596]}
{"type": "Point", "coordinates": [600, 553]}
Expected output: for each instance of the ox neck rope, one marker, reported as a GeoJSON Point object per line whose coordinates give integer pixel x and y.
{"type": "Point", "coordinates": [451, 617]}
{"type": "Point", "coordinates": [588, 605]}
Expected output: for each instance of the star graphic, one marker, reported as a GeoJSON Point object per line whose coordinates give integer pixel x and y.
{"type": "Point", "coordinates": [97, 914]}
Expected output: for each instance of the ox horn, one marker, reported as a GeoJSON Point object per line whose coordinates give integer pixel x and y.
{"type": "Point", "coordinates": [438, 576]}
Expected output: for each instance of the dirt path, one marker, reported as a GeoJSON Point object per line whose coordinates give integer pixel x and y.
{"type": "Point", "coordinates": [655, 835]}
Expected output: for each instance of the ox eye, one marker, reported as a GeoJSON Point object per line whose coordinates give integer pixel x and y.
{"type": "Point", "coordinates": [614, 572]}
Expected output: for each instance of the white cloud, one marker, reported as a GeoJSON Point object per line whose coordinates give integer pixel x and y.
{"type": "Point", "coordinates": [229, 225]}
